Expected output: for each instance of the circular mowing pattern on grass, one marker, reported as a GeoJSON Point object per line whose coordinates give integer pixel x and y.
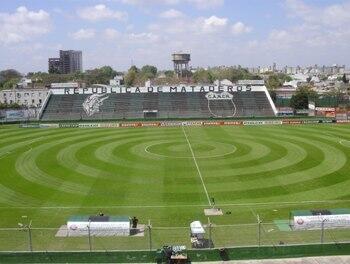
{"type": "Point", "coordinates": [345, 143]}
{"type": "Point", "coordinates": [155, 165]}
{"type": "Point", "coordinates": [181, 150]}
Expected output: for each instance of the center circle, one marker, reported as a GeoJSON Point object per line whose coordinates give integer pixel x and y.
{"type": "Point", "coordinates": [182, 150]}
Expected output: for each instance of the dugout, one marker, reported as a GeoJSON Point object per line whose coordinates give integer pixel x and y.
{"type": "Point", "coordinates": [197, 230]}
{"type": "Point", "coordinates": [149, 114]}
{"type": "Point", "coordinates": [100, 225]}
{"type": "Point", "coordinates": [318, 219]}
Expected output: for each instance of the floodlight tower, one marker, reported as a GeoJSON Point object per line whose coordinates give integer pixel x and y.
{"type": "Point", "coordinates": [181, 61]}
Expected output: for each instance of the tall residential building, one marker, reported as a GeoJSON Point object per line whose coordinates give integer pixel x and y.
{"type": "Point", "coordinates": [70, 61]}
{"type": "Point", "coordinates": [54, 65]}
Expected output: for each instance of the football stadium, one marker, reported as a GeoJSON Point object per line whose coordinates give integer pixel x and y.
{"type": "Point", "coordinates": [115, 168]}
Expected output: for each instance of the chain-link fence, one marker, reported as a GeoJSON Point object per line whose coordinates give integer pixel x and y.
{"type": "Point", "coordinates": [147, 237]}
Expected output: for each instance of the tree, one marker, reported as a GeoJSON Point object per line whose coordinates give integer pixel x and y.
{"type": "Point", "coordinates": [149, 72]}
{"type": "Point", "coordinates": [130, 77]}
{"type": "Point", "coordinates": [300, 100]}
{"type": "Point", "coordinates": [203, 76]}
{"type": "Point", "coordinates": [107, 71]}
{"type": "Point", "coordinates": [10, 84]}
{"type": "Point", "coordinates": [9, 77]}
{"type": "Point", "coordinates": [9, 74]}
{"type": "Point", "coordinates": [344, 79]}
{"type": "Point", "coordinates": [169, 74]}
{"type": "Point", "coordinates": [273, 95]}
{"type": "Point", "coordinates": [232, 74]}
{"type": "Point", "coordinates": [273, 82]}
{"type": "Point", "coordinates": [135, 69]}
{"type": "Point", "coordinates": [97, 76]}
{"type": "Point", "coordinates": [277, 80]}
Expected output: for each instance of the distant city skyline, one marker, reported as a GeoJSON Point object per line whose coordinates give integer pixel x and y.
{"type": "Point", "coordinates": [216, 32]}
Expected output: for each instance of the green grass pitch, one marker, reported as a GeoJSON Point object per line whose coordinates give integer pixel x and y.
{"type": "Point", "coordinates": [168, 175]}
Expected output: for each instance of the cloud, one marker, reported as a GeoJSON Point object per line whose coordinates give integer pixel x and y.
{"type": "Point", "coordinates": [83, 34]}
{"type": "Point", "coordinates": [206, 4]}
{"type": "Point", "coordinates": [317, 34]}
{"type": "Point", "coordinates": [171, 13]}
{"type": "Point", "coordinates": [143, 37]}
{"type": "Point", "coordinates": [150, 2]}
{"type": "Point", "coordinates": [23, 25]}
{"type": "Point", "coordinates": [200, 4]}
{"type": "Point", "coordinates": [110, 33]}
{"type": "Point", "coordinates": [214, 23]}
{"type": "Point", "coordinates": [329, 16]}
{"type": "Point", "coordinates": [101, 12]}
{"type": "Point", "coordinates": [239, 28]}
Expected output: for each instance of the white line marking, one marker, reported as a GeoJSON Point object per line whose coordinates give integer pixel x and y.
{"type": "Point", "coordinates": [195, 162]}
{"type": "Point", "coordinates": [176, 205]}
{"type": "Point", "coordinates": [189, 157]}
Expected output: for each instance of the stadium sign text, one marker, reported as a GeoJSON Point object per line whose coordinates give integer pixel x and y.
{"type": "Point", "coordinates": [219, 96]}
{"type": "Point", "coordinates": [158, 89]}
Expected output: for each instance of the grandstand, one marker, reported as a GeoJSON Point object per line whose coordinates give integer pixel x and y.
{"type": "Point", "coordinates": [164, 105]}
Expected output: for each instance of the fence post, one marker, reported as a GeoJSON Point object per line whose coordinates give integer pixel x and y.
{"type": "Point", "coordinates": [210, 241]}
{"type": "Point", "coordinates": [30, 236]}
{"type": "Point", "coordinates": [259, 230]}
{"type": "Point", "coordinates": [150, 235]}
{"type": "Point", "coordinates": [89, 236]}
{"type": "Point", "coordinates": [322, 231]}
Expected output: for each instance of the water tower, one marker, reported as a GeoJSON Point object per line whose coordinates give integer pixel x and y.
{"type": "Point", "coordinates": [181, 61]}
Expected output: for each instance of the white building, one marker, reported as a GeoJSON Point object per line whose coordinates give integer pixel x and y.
{"type": "Point", "coordinates": [25, 83]}
{"type": "Point", "coordinates": [26, 97]}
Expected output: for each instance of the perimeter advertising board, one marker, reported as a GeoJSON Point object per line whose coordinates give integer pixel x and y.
{"type": "Point", "coordinates": [262, 122]}
{"type": "Point", "coordinates": [313, 222]}
{"type": "Point", "coordinates": [68, 125]}
{"type": "Point", "coordinates": [233, 123]}
{"type": "Point", "coordinates": [89, 125]}
{"type": "Point", "coordinates": [292, 122]}
{"type": "Point", "coordinates": [49, 126]}
{"type": "Point", "coordinates": [15, 114]}
{"type": "Point", "coordinates": [325, 111]}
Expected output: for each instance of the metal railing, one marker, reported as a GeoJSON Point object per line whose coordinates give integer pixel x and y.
{"type": "Point", "coordinates": [148, 237]}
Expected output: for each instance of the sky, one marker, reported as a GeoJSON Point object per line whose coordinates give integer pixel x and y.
{"type": "Point", "coordinates": [121, 33]}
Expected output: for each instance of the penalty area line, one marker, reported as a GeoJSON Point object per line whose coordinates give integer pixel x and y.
{"type": "Point", "coordinates": [195, 162]}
